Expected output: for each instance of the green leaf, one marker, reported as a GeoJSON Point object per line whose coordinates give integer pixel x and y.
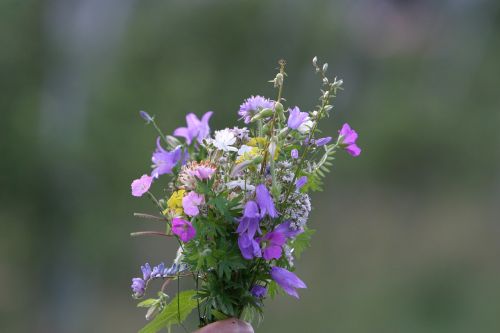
{"type": "Point", "coordinates": [147, 303]}
{"type": "Point", "coordinates": [174, 313]}
{"type": "Point", "coordinates": [302, 242]}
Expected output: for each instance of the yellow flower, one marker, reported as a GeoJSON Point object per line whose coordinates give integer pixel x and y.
{"type": "Point", "coordinates": [257, 142]}
{"type": "Point", "coordinates": [249, 155]}
{"type": "Point", "coordinates": [175, 202]}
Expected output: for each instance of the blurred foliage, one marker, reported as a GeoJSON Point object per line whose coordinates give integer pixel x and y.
{"type": "Point", "coordinates": [407, 235]}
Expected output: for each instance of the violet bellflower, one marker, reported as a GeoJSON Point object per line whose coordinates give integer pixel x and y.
{"type": "Point", "coordinates": [296, 118]}
{"type": "Point", "coordinates": [144, 115]}
{"type": "Point", "coordinates": [252, 105]}
{"type": "Point", "coordinates": [164, 161]}
{"type": "Point", "coordinates": [249, 247]}
{"type": "Point", "coordinates": [295, 154]}
{"type": "Point", "coordinates": [287, 280]}
{"type": "Point", "coordinates": [196, 128]}
{"type": "Point", "coordinates": [258, 291]}
{"type": "Point", "coordinates": [265, 201]}
{"type": "Point", "coordinates": [184, 229]}
{"type": "Point", "coordinates": [141, 185]}
{"type": "Point", "coordinates": [249, 222]}
{"type": "Point", "coordinates": [348, 140]}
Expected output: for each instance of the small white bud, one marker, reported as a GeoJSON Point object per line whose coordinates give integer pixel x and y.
{"type": "Point", "coordinates": [315, 61]}
{"type": "Point", "coordinates": [325, 67]}
{"type": "Point", "coordinates": [325, 80]}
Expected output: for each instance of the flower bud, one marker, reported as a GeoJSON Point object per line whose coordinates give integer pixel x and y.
{"type": "Point", "coordinates": [315, 61]}
{"type": "Point", "coordinates": [325, 67]}
{"type": "Point", "coordinates": [262, 114]}
{"type": "Point", "coordinates": [172, 141]}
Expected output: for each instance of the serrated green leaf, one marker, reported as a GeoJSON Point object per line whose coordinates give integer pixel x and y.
{"type": "Point", "coordinates": [174, 313]}
{"type": "Point", "coordinates": [302, 242]}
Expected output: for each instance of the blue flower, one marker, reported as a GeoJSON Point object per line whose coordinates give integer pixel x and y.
{"type": "Point", "coordinates": [164, 161]}
{"type": "Point", "coordinates": [138, 287]}
{"type": "Point", "coordinates": [249, 222]}
{"type": "Point", "coordinates": [300, 182]}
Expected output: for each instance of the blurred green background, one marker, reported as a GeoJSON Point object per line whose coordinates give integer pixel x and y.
{"type": "Point", "coordinates": [409, 232]}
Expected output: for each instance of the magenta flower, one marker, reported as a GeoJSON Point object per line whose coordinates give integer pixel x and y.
{"type": "Point", "coordinates": [323, 141]}
{"type": "Point", "coordinates": [296, 118]}
{"type": "Point", "coordinates": [251, 106]}
{"type": "Point", "coordinates": [272, 243]}
{"type": "Point", "coordinates": [249, 222]}
{"type": "Point", "coordinates": [265, 201]}
{"type": "Point", "coordinates": [184, 229]}
{"type": "Point", "coordinates": [141, 185]}
{"type": "Point", "coordinates": [249, 247]}
{"type": "Point", "coordinates": [190, 203]}
{"type": "Point", "coordinates": [203, 172]}
{"type": "Point", "coordinates": [294, 154]}
{"type": "Point", "coordinates": [348, 139]}
{"type": "Point", "coordinates": [300, 182]}
{"type": "Point", "coordinates": [196, 128]}
{"type": "Point", "coordinates": [164, 161]}
{"type": "Point", "coordinates": [287, 280]}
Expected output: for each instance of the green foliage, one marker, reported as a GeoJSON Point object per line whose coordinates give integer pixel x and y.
{"type": "Point", "coordinates": [302, 242]}
{"type": "Point", "coordinates": [320, 169]}
{"type": "Point", "coordinates": [173, 313]}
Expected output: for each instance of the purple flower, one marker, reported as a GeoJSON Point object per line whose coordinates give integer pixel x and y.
{"type": "Point", "coordinates": [295, 153]}
{"type": "Point", "coordinates": [348, 140]}
{"type": "Point", "coordinates": [272, 243]}
{"type": "Point", "coordinates": [286, 229]}
{"type": "Point", "coordinates": [249, 222]}
{"type": "Point", "coordinates": [196, 128]}
{"type": "Point", "coordinates": [184, 229]}
{"type": "Point", "coordinates": [249, 247]}
{"type": "Point", "coordinates": [259, 291]}
{"type": "Point", "coordinates": [323, 141]}
{"type": "Point", "coordinates": [138, 287]}
{"type": "Point", "coordinates": [296, 118]}
{"type": "Point", "coordinates": [300, 182]}
{"type": "Point", "coordinates": [190, 203]}
{"type": "Point", "coordinates": [141, 185]}
{"type": "Point", "coordinates": [265, 201]}
{"type": "Point", "coordinates": [251, 106]}
{"type": "Point", "coordinates": [287, 280]}
{"type": "Point", "coordinates": [144, 115]}
{"type": "Point", "coordinates": [164, 161]}
{"type": "Point", "coordinates": [157, 271]}
{"type": "Point", "coordinates": [146, 271]}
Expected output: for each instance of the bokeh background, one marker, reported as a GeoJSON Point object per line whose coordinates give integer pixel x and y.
{"type": "Point", "coordinates": [409, 232]}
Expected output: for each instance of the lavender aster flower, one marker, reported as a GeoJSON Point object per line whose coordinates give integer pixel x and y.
{"type": "Point", "coordinates": [184, 229]}
{"type": "Point", "coordinates": [259, 291]}
{"type": "Point", "coordinates": [287, 280]}
{"type": "Point", "coordinates": [141, 185]}
{"type": "Point", "coordinates": [296, 118]}
{"type": "Point", "coordinates": [300, 182]}
{"type": "Point", "coordinates": [144, 115]}
{"type": "Point", "coordinates": [190, 203]}
{"type": "Point", "coordinates": [196, 128]}
{"type": "Point", "coordinates": [251, 106]}
{"type": "Point", "coordinates": [323, 141]}
{"type": "Point", "coordinates": [294, 153]}
{"type": "Point", "coordinates": [249, 222]}
{"type": "Point", "coordinates": [348, 139]}
{"type": "Point", "coordinates": [164, 161]}
{"type": "Point", "coordinates": [138, 287]}
{"type": "Point", "coordinates": [265, 201]}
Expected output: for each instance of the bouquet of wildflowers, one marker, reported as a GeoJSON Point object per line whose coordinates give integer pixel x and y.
{"type": "Point", "coordinates": [237, 203]}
